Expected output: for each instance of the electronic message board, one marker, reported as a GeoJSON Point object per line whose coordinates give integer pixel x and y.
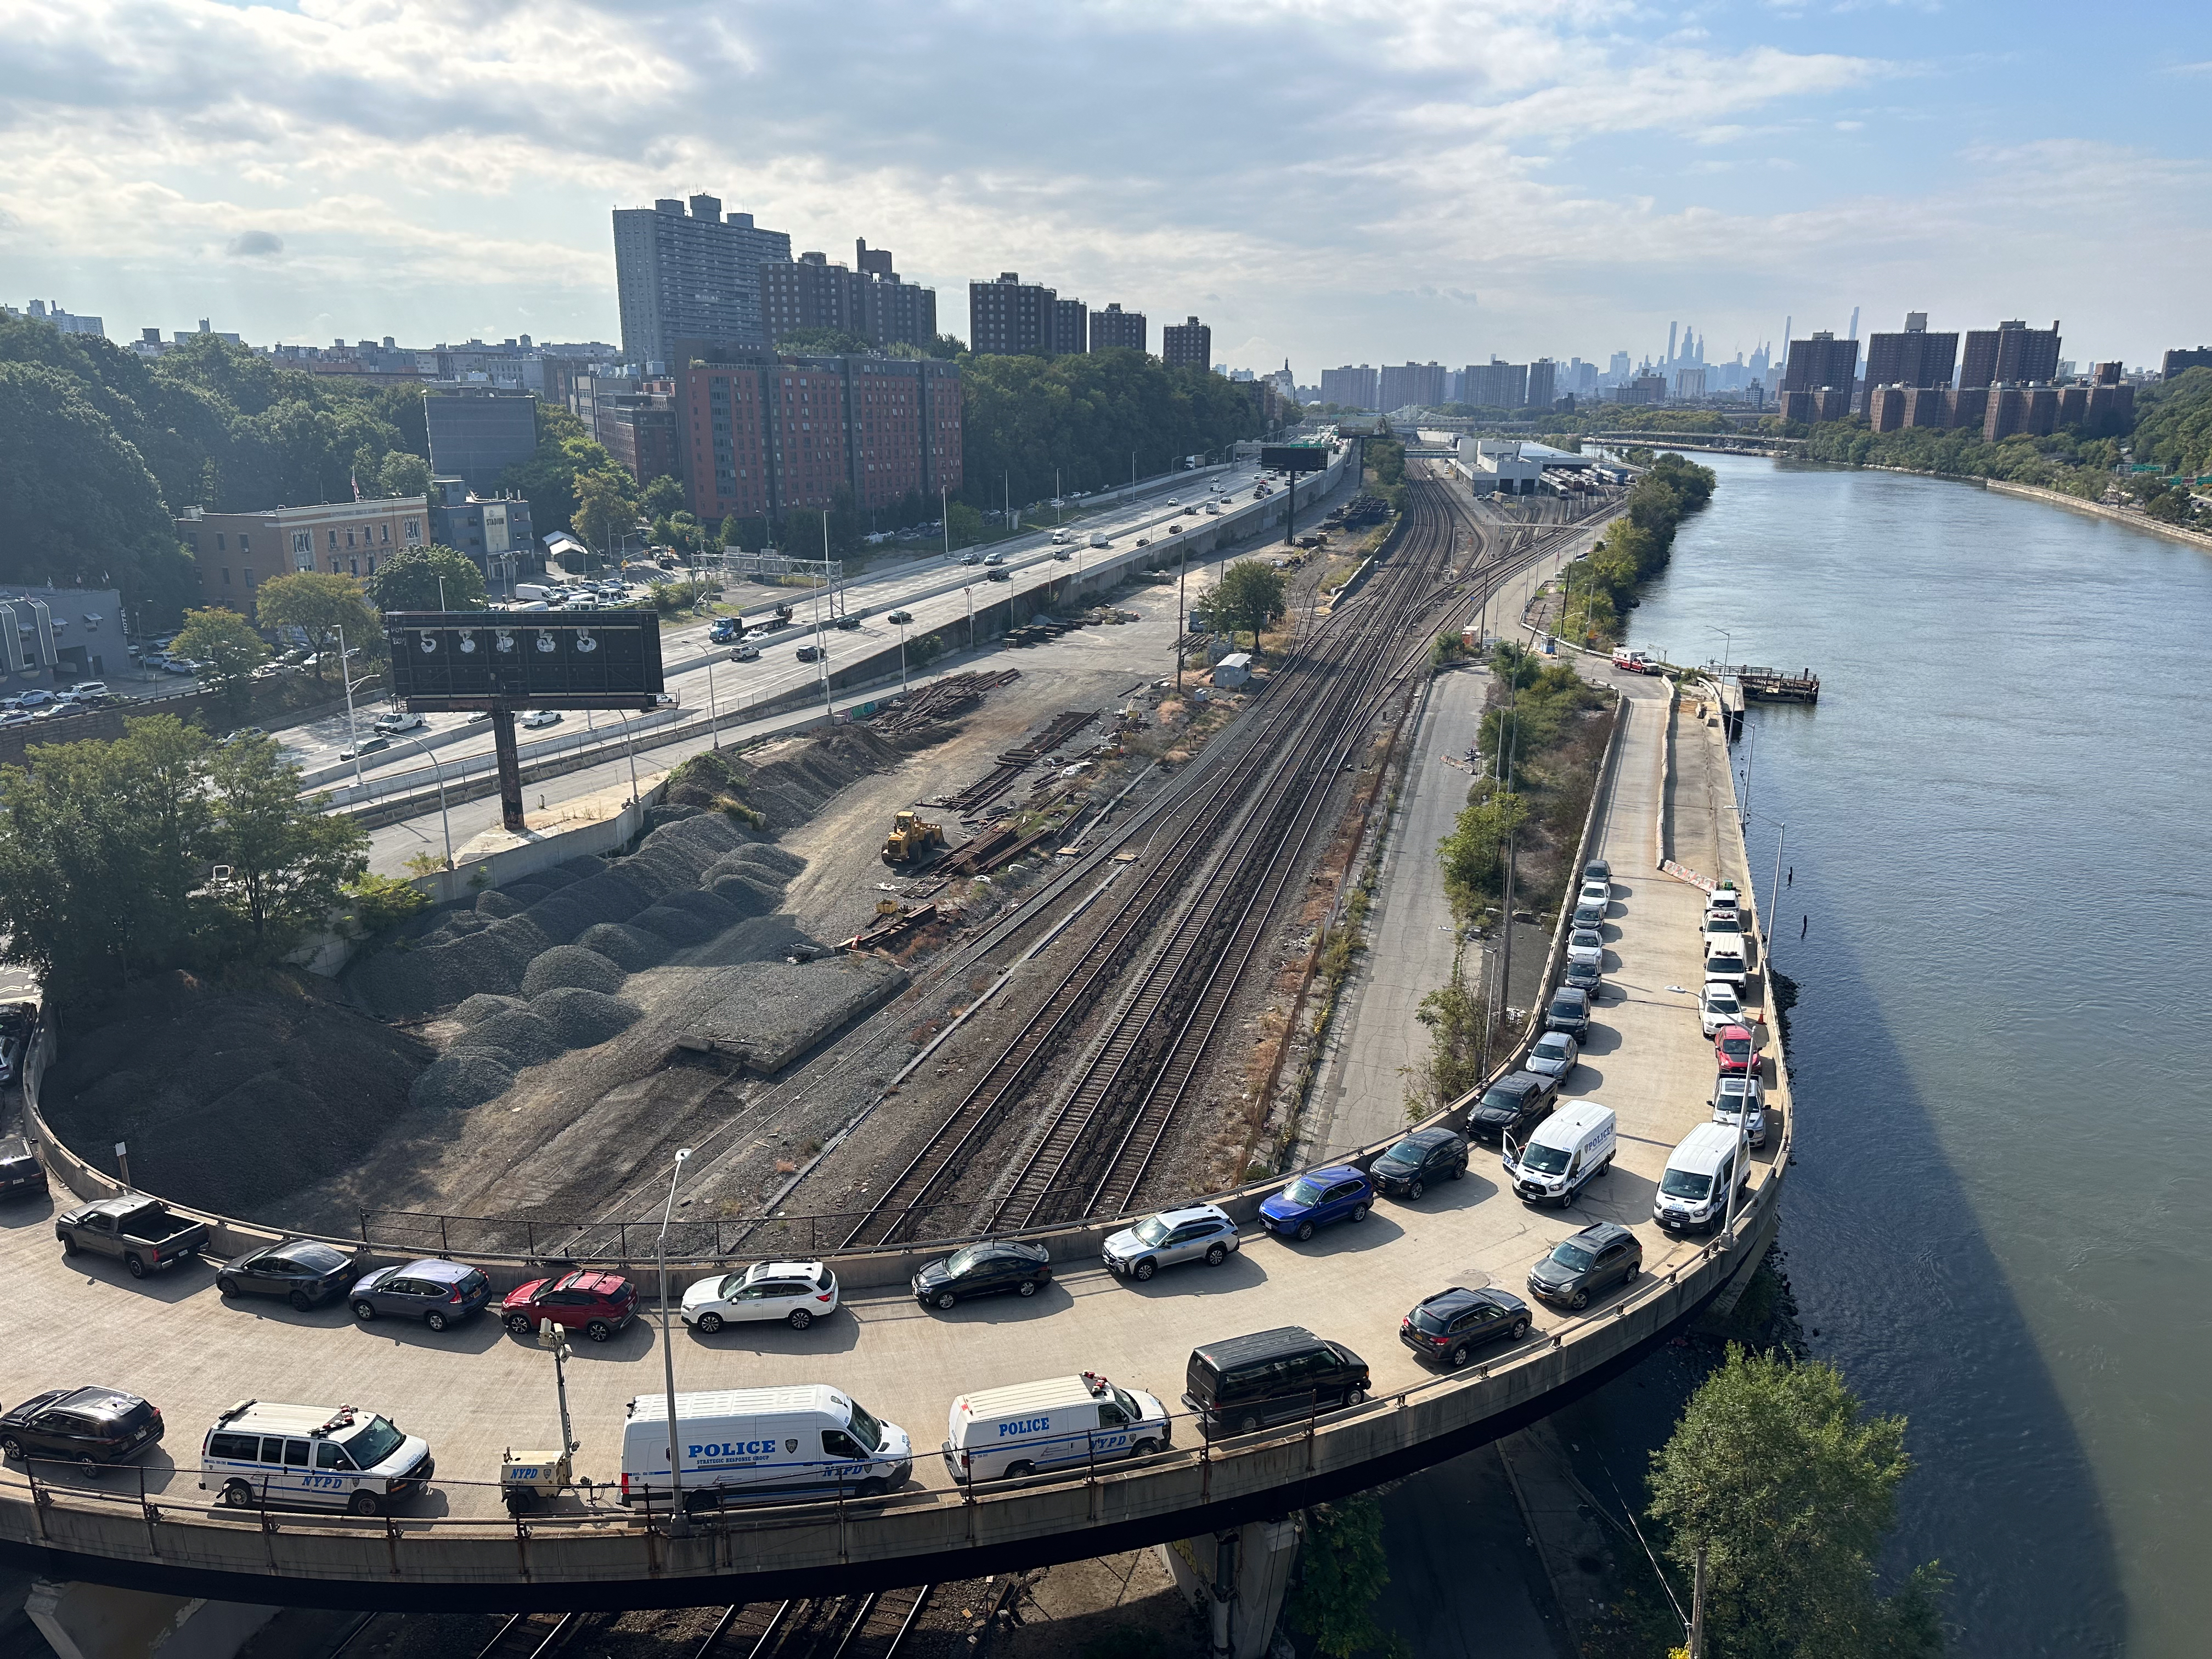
{"type": "Point", "coordinates": [1294, 458]}
{"type": "Point", "coordinates": [472, 660]}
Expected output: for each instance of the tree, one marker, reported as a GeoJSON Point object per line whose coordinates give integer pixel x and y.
{"type": "Point", "coordinates": [226, 644]}
{"type": "Point", "coordinates": [567, 453]}
{"type": "Point", "coordinates": [1789, 1492]}
{"type": "Point", "coordinates": [604, 514]}
{"type": "Point", "coordinates": [288, 857]}
{"type": "Point", "coordinates": [408, 580]}
{"type": "Point", "coordinates": [402, 474]}
{"type": "Point", "coordinates": [320, 605]}
{"type": "Point", "coordinates": [823, 342]}
{"type": "Point", "coordinates": [1250, 591]}
{"type": "Point", "coordinates": [663, 497]}
{"type": "Point", "coordinates": [1342, 1568]}
{"type": "Point", "coordinates": [1474, 855]}
{"type": "Point", "coordinates": [964, 524]}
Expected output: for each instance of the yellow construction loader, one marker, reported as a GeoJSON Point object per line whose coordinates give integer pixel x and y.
{"type": "Point", "coordinates": [913, 840]}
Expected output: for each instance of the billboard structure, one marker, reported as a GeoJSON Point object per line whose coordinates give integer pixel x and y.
{"type": "Point", "coordinates": [499, 661]}
{"type": "Point", "coordinates": [1294, 458]}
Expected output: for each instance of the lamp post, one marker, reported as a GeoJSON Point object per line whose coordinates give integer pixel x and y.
{"type": "Point", "coordinates": [679, 1523]}
{"type": "Point", "coordinates": [439, 773]}
{"type": "Point", "coordinates": [902, 659]}
{"type": "Point", "coordinates": [1728, 643]}
{"type": "Point", "coordinates": [353, 733]}
{"type": "Point", "coordinates": [714, 709]}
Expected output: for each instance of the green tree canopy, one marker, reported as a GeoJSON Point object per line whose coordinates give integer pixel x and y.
{"type": "Point", "coordinates": [551, 479]}
{"type": "Point", "coordinates": [402, 474]}
{"type": "Point", "coordinates": [663, 497]}
{"type": "Point", "coordinates": [604, 512]}
{"type": "Point", "coordinates": [226, 644]}
{"type": "Point", "coordinates": [1342, 1568]}
{"type": "Point", "coordinates": [1790, 1491]}
{"type": "Point", "coordinates": [408, 580]}
{"type": "Point", "coordinates": [824, 342]}
{"type": "Point", "coordinates": [1251, 592]}
{"type": "Point", "coordinates": [287, 860]}
{"type": "Point", "coordinates": [320, 604]}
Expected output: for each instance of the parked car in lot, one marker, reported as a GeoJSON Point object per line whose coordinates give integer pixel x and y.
{"type": "Point", "coordinates": [303, 1271]}
{"type": "Point", "coordinates": [438, 1292]}
{"type": "Point", "coordinates": [1446, 1329]}
{"type": "Point", "coordinates": [21, 1174]}
{"type": "Point", "coordinates": [1718, 1006]}
{"type": "Point", "coordinates": [1590, 913]}
{"type": "Point", "coordinates": [1555, 1054]}
{"type": "Point", "coordinates": [87, 1425]}
{"type": "Point", "coordinates": [537, 718]}
{"type": "Point", "coordinates": [796, 1293]}
{"type": "Point", "coordinates": [90, 688]}
{"type": "Point", "coordinates": [1419, 1162]}
{"type": "Point", "coordinates": [261, 1452]}
{"type": "Point", "coordinates": [1598, 870]}
{"type": "Point", "coordinates": [1197, 1232]}
{"type": "Point", "coordinates": [1586, 944]}
{"type": "Point", "coordinates": [1731, 1095]}
{"type": "Point", "coordinates": [1569, 1011]}
{"type": "Point", "coordinates": [1241, 1385]}
{"type": "Point", "coordinates": [1512, 1106]}
{"type": "Point", "coordinates": [1599, 893]}
{"type": "Point", "coordinates": [139, 1230]}
{"type": "Point", "coordinates": [1735, 1049]}
{"type": "Point", "coordinates": [1585, 977]}
{"type": "Point", "coordinates": [1701, 1171]}
{"type": "Point", "coordinates": [1335, 1193]}
{"type": "Point", "coordinates": [596, 1302]}
{"type": "Point", "coordinates": [1580, 1266]}
{"type": "Point", "coordinates": [994, 1267]}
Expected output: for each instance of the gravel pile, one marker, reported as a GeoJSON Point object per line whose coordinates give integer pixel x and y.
{"type": "Point", "coordinates": [691, 918]}
{"type": "Point", "coordinates": [517, 1037]}
{"type": "Point", "coordinates": [466, 1078]}
{"type": "Point", "coordinates": [499, 905]}
{"type": "Point", "coordinates": [629, 948]}
{"type": "Point", "coordinates": [571, 964]}
{"type": "Point", "coordinates": [584, 1019]}
{"type": "Point", "coordinates": [791, 785]}
{"type": "Point", "coordinates": [482, 1005]}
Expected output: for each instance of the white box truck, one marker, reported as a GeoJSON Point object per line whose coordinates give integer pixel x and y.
{"type": "Point", "coordinates": [1099, 538]}
{"type": "Point", "coordinates": [807, 1441]}
{"type": "Point", "coordinates": [1063, 1422]}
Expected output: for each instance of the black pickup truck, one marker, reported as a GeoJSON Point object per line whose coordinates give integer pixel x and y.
{"type": "Point", "coordinates": [141, 1231]}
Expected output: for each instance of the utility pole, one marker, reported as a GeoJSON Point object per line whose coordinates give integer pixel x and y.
{"type": "Point", "coordinates": [1182, 571]}
{"type": "Point", "coordinates": [352, 733]}
{"type": "Point", "coordinates": [1698, 1608]}
{"type": "Point", "coordinates": [945, 520]}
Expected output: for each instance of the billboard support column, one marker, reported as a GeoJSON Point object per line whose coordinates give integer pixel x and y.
{"type": "Point", "coordinates": [510, 770]}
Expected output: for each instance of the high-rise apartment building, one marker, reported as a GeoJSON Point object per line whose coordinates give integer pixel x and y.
{"type": "Point", "coordinates": [869, 302]}
{"type": "Point", "coordinates": [1912, 358]}
{"type": "Point", "coordinates": [1349, 387]}
{"type": "Point", "coordinates": [1115, 328]}
{"type": "Point", "coordinates": [1495, 385]}
{"type": "Point", "coordinates": [1011, 317]}
{"type": "Point", "coordinates": [2011, 354]}
{"type": "Point", "coordinates": [763, 434]}
{"type": "Point", "coordinates": [477, 433]}
{"type": "Point", "coordinates": [1188, 344]}
{"type": "Point", "coordinates": [1070, 327]}
{"type": "Point", "coordinates": [1543, 383]}
{"type": "Point", "coordinates": [692, 276]}
{"type": "Point", "coordinates": [2181, 360]}
{"type": "Point", "coordinates": [1411, 383]}
{"type": "Point", "coordinates": [1823, 361]}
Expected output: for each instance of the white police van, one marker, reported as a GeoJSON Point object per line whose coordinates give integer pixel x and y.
{"type": "Point", "coordinates": [1062, 1422]}
{"type": "Point", "coordinates": [808, 1441]}
{"type": "Point", "coordinates": [260, 1453]}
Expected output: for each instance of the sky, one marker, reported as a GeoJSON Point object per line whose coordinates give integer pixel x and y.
{"type": "Point", "coordinates": [1327, 181]}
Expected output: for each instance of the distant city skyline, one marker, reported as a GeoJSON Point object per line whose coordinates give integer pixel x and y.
{"type": "Point", "coordinates": [439, 176]}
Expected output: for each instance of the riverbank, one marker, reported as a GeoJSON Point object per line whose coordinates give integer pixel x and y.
{"type": "Point", "coordinates": [2138, 520]}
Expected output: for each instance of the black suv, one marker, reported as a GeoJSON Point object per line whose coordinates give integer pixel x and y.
{"type": "Point", "coordinates": [1512, 1106]}
{"type": "Point", "coordinates": [1569, 1011]}
{"type": "Point", "coordinates": [1241, 1385]}
{"type": "Point", "coordinates": [1601, 1255]}
{"type": "Point", "coordinates": [1425, 1156]}
{"type": "Point", "coordinates": [21, 1173]}
{"type": "Point", "coordinates": [987, 1269]}
{"type": "Point", "coordinates": [86, 1427]}
{"type": "Point", "coordinates": [1585, 977]}
{"type": "Point", "coordinates": [1448, 1327]}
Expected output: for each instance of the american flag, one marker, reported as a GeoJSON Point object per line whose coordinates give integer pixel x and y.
{"type": "Point", "coordinates": [355, 477]}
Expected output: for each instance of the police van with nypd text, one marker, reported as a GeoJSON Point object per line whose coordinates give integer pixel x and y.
{"type": "Point", "coordinates": [806, 1441]}
{"type": "Point", "coordinates": [1063, 1422]}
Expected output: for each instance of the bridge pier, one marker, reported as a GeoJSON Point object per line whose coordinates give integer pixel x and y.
{"type": "Point", "coordinates": [1238, 1579]}
{"type": "Point", "coordinates": [98, 1621]}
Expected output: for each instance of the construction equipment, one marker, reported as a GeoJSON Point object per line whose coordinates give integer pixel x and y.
{"type": "Point", "coordinates": [912, 839]}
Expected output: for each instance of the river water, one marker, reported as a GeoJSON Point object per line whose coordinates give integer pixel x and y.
{"type": "Point", "coordinates": [2000, 824]}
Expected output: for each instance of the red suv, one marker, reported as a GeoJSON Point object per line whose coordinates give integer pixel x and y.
{"type": "Point", "coordinates": [1734, 1048]}
{"type": "Point", "coordinates": [597, 1304]}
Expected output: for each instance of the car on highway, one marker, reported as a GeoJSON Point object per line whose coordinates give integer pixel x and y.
{"type": "Point", "coordinates": [993, 1267]}
{"type": "Point", "coordinates": [1569, 1011]}
{"type": "Point", "coordinates": [1001, 575]}
{"type": "Point", "coordinates": [794, 1293]}
{"type": "Point", "coordinates": [1600, 1256]}
{"type": "Point", "coordinates": [745, 653]}
{"type": "Point", "coordinates": [1555, 1054]}
{"type": "Point", "coordinates": [1197, 1232]}
{"type": "Point", "coordinates": [1718, 1006]}
{"type": "Point", "coordinates": [1512, 1106]}
{"type": "Point", "coordinates": [402, 721]}
{"type": "Point", "coordinates": [1175, 501]}
{"type": "Point", "coordinates": [809, 653]}
{"type": "Point", "coordinates": [1585, 977]}
{"type": "Point", "coordinates": [87, 1425]}
{"type": "Point", "coordinates": [303, 1271]}
{"type": "Point", "coordinates": [438, 1292]}
{"type": "Point", "coordinates": [1446, 1329]}
{"type": "Point", "coordinates": [1735, 1049]}
{"type": "Point", "coordinates": [1418, 1161]}
{"type": "Point", "coordinates": [971, 558]}
{"type": "Point", "coordinates": [1585, 944]}
{"type": "Point", "coordinates": [373, 745]}
{"type": "Point", "coordinates": [994, 559]}
{"type": "Point", "coordinates": [1318, 1198]}
{"type": "Point", "coordinates": [539, 717]}
{"type": "Point", "coordinates": [1730, 1097]}
{"type": "Point", "coordinates": [597, 1303]}
{"type": "Point", "coordinates": [899, 618]}
{"type": "Point", "coordinates": [850, 622]}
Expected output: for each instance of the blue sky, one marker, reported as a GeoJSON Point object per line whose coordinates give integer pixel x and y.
{"type": "Point", "coordinates": [1332, 180]}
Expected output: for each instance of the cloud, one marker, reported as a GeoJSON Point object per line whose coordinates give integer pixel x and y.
{"type": "Point", "coordinates": [254, 244]}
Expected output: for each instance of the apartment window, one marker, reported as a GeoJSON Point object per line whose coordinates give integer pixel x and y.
{"type": "Point", "coordinates": [226, 575]}
{"type": "Point", "coordinates": [247, 575]}
{"type": "Point", "coordinates": [353, 566]}
{"type": "Point", "coordinates": [349, 539]}
{"type": "Point", "coordinates": [218, 541]}
{"type": "Point", "coordinates": [242, 547]}
{"type": "Point", "coordinates": [383, 537]}
{"type": "Point", "coordinates": [414, 532]}
{"type": "Point", "coordinates": [303, 541]}
{"type": "Point", "coordinates": [334, 544]}
{"type": "Point", "coordinates": [372, 564]}
{"type": "Point", "coordinates": [192, 540]}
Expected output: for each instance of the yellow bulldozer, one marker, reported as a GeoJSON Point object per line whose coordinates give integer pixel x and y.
{"type": "Point", "coordinates": [912, 839]}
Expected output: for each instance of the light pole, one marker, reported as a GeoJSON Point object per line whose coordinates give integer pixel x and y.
{"type": "Point", "coordinates": [352, 733]}
{"type": "Point", "coordinates": [1728, 643]}
{"type": "Point", "coordinates": [714, 709]}
{"type": "Point", "coordinates": [902, 659]}
{"type": "Point", "coordinates": [944, 519]}
{"type": "Point", "coordinates": [1182, 571]}
{"type": "Point", "coordinates": [680, 1523]}
{"type": "Point", "coordinates": [439, 773]}
{"type": "Point", "coordinates": [971, 592]}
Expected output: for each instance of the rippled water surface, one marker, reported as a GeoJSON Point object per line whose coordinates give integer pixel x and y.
{"type": "Point", "coordinates": [2000, 820]}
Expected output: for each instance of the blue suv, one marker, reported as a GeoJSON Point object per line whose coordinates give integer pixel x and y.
{"type": "Point", "coordinates": [1336, 1193]}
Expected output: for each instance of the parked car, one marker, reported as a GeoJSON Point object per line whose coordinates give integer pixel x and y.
{"type": "Point", "coordinates": [1447, 1327]}
{"type": "Point", "coordinates": [21, 1174]}
{"type": "Point", "coordinates": [1425, 1157]}
{"type": "Point", "coordinates": [797, 1293]}
{"type": "Point", "coordinates": [1701, 1173]}
{"type": "Point", "coordinates": [1731, 1095]}
{"type": "Point", "coordinates": [1599, 893]}
{"type": "Point", "coordinates": [596, 1302]}
{"type": "Point", "coordinates": [1512, 1106]}
{"type": "Point", "coordinates": [435, 1291]}
{"type": "Point", "coordinates": [87, 1425]}
{"type": "Point", "coordinates": [1241, 1385]}
{"type": "Point", "coordinates": [539, 717]}
{"type": "Point", "coordinates": [1197, 1232]}
{"type": "Point", "coordinates": [1600, 1256]}
{"type": "Point", "coordinates": [34, 698]}
{"type": "Point", "coordinates": [991, 1269]}
{"type": "Point", "coordinates": [1585, 977]}
{"type": "Point", "coordinates": [181, 666]}
{"type": "Point", "coordinates": [1569, 1011]}
{"type": "Point", "coordinates": [1718, 1006]}
{"type": "Point", "coordinates": [1555, 1054]}
{"type": "Point", "coordinates": [1336, 1192]}
{"type": "Point", "coordinates": [1590, 915]}
{"type": "Point", "coordinates": [303, 1271]}
{"type": "Point", "coordinates": [90, 688]}
{"type": "Point", "coordinates": [140, 1230]}
{"type": "Point", "coordinates": [1586, 944]}
{"type": "Point", "coordinates": [1735, 1049]}
{"type": "Point", "coordinates": [1598, 870]}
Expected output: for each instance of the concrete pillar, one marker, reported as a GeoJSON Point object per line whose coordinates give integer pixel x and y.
{"type": "Point", "coordinates": [1238, 1579]}
{"type": "Point", "coordinates": [97, 1621]}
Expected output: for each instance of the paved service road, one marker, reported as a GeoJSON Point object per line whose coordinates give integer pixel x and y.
{"type": "Point", "coordinates": [474, 1389]}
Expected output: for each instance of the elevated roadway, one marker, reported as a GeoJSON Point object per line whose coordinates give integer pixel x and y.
{"type": "Point", "coordinates": [474, 1389]}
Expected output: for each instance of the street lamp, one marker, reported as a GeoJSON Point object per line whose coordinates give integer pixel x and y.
{"type": "Point", "coordinates": [680, 1523]}
{"type": "Point", "coordinates": [439, 773]}
{"type": "Point", "coordinates": [902, 658]}
{"type": "Point", "coordinates": [1727, 642]}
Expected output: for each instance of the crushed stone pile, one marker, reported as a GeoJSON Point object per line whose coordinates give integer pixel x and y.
{"type": "Point", "coordinates": [793, 780]}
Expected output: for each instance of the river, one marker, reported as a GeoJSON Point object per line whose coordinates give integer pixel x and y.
{"type": "Point", "coordinates": [1999, 822]}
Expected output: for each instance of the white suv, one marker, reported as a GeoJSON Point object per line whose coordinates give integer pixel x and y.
{"type": "Point", "coordinates": [1199, 1232]}
{"type": "Point", "coordinates": [795, 1293]}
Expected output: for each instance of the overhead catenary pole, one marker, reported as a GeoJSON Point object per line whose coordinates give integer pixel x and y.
{"type": "Point", "coordinates": [679, 1523]}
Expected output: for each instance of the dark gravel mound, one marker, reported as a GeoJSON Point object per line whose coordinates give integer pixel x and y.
{"type": "Point", "coordinates": [447, 965]}
{"type": "Point", "coordinates": [571, 964]}
{"type": "Point", "coordinates": [693, 918]}
{"type": "Point", "coordinates": [630, 949]}
{"type": "Point", "coordinates": [466, 1078]}
{"type": "Point", "coordinates": [518, 1035]}
{"type": "Point", "coordinates": [498, 905]}
{"type": "Point", "coordinates": [583, 1019]}
{"type": "Point", "coordinates": [482, 1005]}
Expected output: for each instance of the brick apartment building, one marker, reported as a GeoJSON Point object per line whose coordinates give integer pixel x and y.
{"type": "Point", "coordinates": [1114, 328]}
{"type": "Point", "coordinates": [1188, 344]}
{"type": "Point", "coordinates": [869, 302]}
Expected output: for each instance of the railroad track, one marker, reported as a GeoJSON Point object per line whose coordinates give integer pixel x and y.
{"type": "Point", "coordinates": [872, 1627]}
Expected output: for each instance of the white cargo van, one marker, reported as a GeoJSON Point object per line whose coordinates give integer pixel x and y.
{"type": "Point", "coordinates": [1057, 537]}
{"type": "Point", "coordinates": [1099, 538]}
{"type": "Point", "coordinates": [1060, 1422]}
{"type": "Point", "coordinates": [534, 590]}
{"type": "Point", "coordinates": [1568, 1151]}
{"type": "Point", "coordinates": [339, 1457]}
{"type": "Point", "coordinates": [1724, 958]}
{"type": "Point", "coordinates": [1693, 1192]}
{"type": "Point", "coordinates": [805, 1441]}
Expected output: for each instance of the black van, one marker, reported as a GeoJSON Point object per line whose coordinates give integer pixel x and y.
{"type": "Point", "coordinates": [1248, 1382]}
